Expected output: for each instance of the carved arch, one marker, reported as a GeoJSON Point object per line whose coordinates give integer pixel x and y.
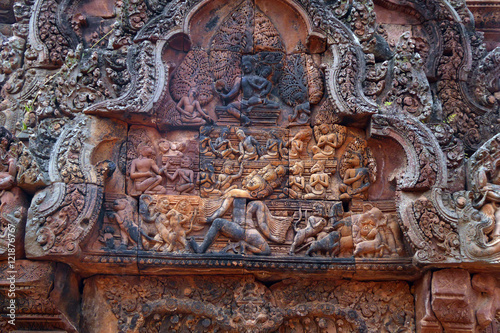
{"type": "Point", "coordinates": [344, 74]}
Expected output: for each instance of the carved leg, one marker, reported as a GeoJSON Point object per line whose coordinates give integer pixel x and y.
{"type": "Point", "coordinates": [219, 226]}
{"type": "Point", "coordinates": [185, 188]}
{"type": "Point", "coordinates": [155, 187]}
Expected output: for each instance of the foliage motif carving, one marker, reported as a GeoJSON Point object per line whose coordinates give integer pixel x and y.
{"type": "Point", "coordinates": [276, 138]}
{"type": "Point", "coordinates": [233, 303]}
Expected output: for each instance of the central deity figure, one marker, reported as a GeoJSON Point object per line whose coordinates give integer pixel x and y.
{"type": "Point", "coordinates": [254, 89]}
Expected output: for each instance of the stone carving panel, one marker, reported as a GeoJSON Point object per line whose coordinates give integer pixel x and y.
{"type": "Point", "coordinates": [327, 139]}
{"type": "Point", "coordinates": [244, 304]}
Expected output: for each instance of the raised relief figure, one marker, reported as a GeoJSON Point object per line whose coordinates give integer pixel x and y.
{"type": "Point", "coordinates": [489, 188]}
{"type": "Point", "coordinates": [356, 178]}
{"type": "Point", "coordinates": [208, 181]}
{"type": "Point", "coordinates": [257, 185]}
{"type": "Point", "coordinates": [249, 147]}
{"type": "Point", "coordinates": [8, 169]}
{"type": "Point", "coordinates": [13, 205]}
{"type": "Point", "coordinates": [252, 235]}
{"type": "Point", "coordinates": [122, 215]}
{"type": "Point", "coordinates": [173, 224]}
{"type": "Point", "coordinates": [296, 181]}
{"type": "Point", "coordinates": [328, 138]}
{"type": "Point", "coordinates": [315, 224]}
{"type": "Point", "coordinates": [190, 110]}
{"type": "Point", "coordinates": [275, 147]}
{"type": "Point", "coordinates": [145, 174]}
{"type": "Point", "coordinates": [254, 90]}
{"type": "Point", "coordinates": [357, 171]}
{"type": "Point", "coordinates": [184, 176]}
{"type": "Point", "coordinates": [206, 145]}
{"type": "Point", "coordinates": [318, 182]}
{"type": "Point", "coordinates": [298, 143]}
{"type": "Point", "coordinates": [223, 147]}
{"type": "Point", "coordinates": [368, 236]}
{"type": "Point", "coordinates": [227, 176]}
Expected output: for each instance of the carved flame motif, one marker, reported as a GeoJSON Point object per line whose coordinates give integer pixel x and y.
{"type": "Point", "coordinates": [194, 72]}
{"type": "Point", "coordinates": [293, 83]}
{"type": "Point", "coordinates": [225, 66]}
{"type": "Point", "coordinates": [266, 37]}
{"type": "Point", "coordinates": [235, 33]}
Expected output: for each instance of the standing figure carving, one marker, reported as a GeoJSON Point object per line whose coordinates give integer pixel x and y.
{"type": "Point", "coordinates": [315, 224]}
{"type": "Point", "coordinates": [489, 189]}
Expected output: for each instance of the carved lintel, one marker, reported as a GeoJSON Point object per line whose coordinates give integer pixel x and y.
{"type": "Point", "coordinates": [243, 303]}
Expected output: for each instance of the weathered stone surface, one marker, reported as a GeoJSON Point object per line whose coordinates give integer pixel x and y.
{"type": "Point", "coordinates": [454, 301]}
{"type": "Point", "coordinates": [252, 142]}
{"type": "Point", "coordinates": [241, 303]}
{"type": "Point", "coordinates": [46, 297]}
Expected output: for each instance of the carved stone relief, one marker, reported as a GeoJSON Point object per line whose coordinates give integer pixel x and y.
{"type": "Point", "coordinates": [243, 304]}
{"type": "Point", "coordinates": [255, 141]}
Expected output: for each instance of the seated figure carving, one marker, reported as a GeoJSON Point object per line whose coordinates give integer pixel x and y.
{"type": "Point", "coordinates": [328, 137]}
{"type": "Point", "coordinates": [318, 182]}
{"type": "Point", "coordinates": [223, 147]}
{"type": "Point", "coordinates": [208, 181]}
{"type": "Point", "coordinates": [356, 179]}
{"type": "Point", "coordinates": [275, 147]}
{"type": "Point", "coordinates": [298, 144]}
{"type": "Point", "coordinates": [249, 147]}
{"type": "Point", "coordinates": [254, 90]}
{"type": "Point", "coordinates": [145, 174]}
{"type": "Point", "coordinates": [296, 181]}
{"type": "Point", "coordinates": [184, 176]}
{"type": "Point", "coordinates": [190, 109]}
{"type": "Point", "coordinates": [226, 178]}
